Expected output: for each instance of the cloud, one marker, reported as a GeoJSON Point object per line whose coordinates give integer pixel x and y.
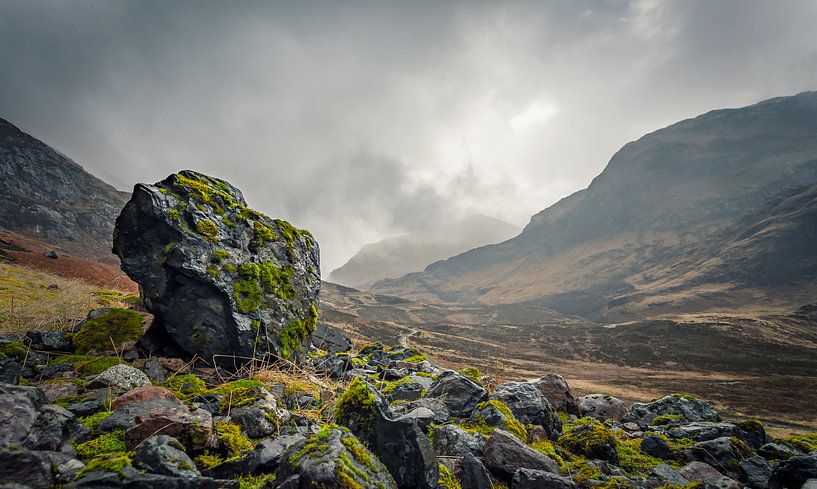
{"type": "Point", "coordinates": [360, 120]}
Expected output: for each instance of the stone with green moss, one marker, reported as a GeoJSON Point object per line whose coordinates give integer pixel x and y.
{"type": "Point", "coordinates": [87, 365]}
{"type": "Point", "coordinates": [108, 331]}
{"type": "Point", "coordinates": [590, 438]}
{"type": "Point", "coordinates": [237, 268]}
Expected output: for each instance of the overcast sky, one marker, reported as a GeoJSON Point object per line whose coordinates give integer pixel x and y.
{"type": "Point", "coordinates": [361, 120]}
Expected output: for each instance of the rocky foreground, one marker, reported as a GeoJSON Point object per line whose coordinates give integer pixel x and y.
{"type": "Point", "coordinates": [75, 415]}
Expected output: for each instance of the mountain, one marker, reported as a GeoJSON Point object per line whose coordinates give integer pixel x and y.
{"type": "Point", "coordinates": [47, 196]}
{"type": "Point", "coordinates": [398, 255]}
{"type": "Point", "coordinates": [715, 212]}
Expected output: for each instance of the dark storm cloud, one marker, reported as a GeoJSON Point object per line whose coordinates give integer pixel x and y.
{"type": "Point", "coordinates": [360, 120]}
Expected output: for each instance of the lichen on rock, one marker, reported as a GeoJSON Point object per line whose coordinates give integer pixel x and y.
{"type": "Point", "coordinates": [225, 282]}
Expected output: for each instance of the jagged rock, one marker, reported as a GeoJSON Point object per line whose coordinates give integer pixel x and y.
{"type": "Point", "coordinates": [50, 341]}
{"type": "Point", "coordinates": [670, 475]}
{"type": "Point", "coordinates": [505, 454]}
{"type": "Point", "coordinates": [330, 339]}
{"type": "Point", "coordinates": [154, 370]}
{"type": "Point", "coordinates": [333, 459]}
{"type": "Point", "coordinates": [459, 394]}
{"type": "Point", "coordinates": [473, 474]}
{"type": "Point", "coordinates": [602, 407]}
{"type": "Point", "coordinates": [724, 453]}
{"type": "Point", "coordinates": [422, 416]}
{"type": "Point", "coordinates": [58, 390]}
{"type": "Point", "coordinates": [687, 407]}
{"type": "Point", "coordinates": [794, 472]}
{"type": "Point", "coordinates": [29, 469]}
{"type": "Point", "coordinates": [194, 429]}
{"type": "Point", "coordinates": [539, 479]}
{"type": "Point", "coordinates": [701, 472]}
{"type": "Point", "coordinates": [407, 391]}
{"type": "Point", "coordinates": [120, 376]}
{"type": "Point", "coordinates": [451, 440]}
{"type": "Point", "coordinates": [555, 389]}
{"type": "Point", "coordinates": [264, 458]}
{"type": "Point", "coordinates": [776, 451]}
{"type": "Point", "coordinates": [27, 421]}
{"type": "Point", "coordinates": [142, 394]}
{"type": "Point", "coordinates": [707, 430]}
{"type": "Point", "coordinates": [657, 447]}
{"type": "Point", "coordinates": [10, 371]}
{"type": "Point", "coordinates": [261, 418]}
{"type": "Point", "coordinates": [436, 406]}
{"type": "Point", "coordinates": [529, 406]}
{"type": "Point", "coordinates": [54, 428]}
{"type": "Point", "coordinates": [221, 278]}
{"type": "Point", "coordinates": [164, 455]}
{"type": "Point", "coordinates": [756, 472]}
{"type": "Point", "coordinates": [85, 408]}
{"type": "Point", "coordinates": [333, 365]}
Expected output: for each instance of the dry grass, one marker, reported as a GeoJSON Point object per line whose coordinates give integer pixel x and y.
{"type": "Point", "coordinates": [37, 300]}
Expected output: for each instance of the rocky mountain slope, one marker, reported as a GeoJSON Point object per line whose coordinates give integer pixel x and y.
{"type": "Point", "coordinates": [46, 195]}
{"type": "Point", "coordinates": [715, 212]}
{"type": "Point", "coordinates": [398, 255]}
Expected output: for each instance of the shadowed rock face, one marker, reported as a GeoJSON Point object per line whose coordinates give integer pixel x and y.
{"type": "Point", "coordinates": [225, 282]}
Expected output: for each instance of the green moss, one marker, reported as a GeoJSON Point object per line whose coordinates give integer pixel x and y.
{"type": "Point", "coordinates": [355, 408]}
{"type": "Point", "coordinates": [106, 297]}
{"type": "Point", "coordinates": [389, 387]}
{"type": "Point", "coordinates": [230, 437]}
{"type": "Point", "coordinates": [206, 190]}
{"type": "Point", "coordinates": [314, 444]}
{"type": "Point", "coordinates": [509, 421]}
{"type": "Point", "coordinates": [110, 463]}
{"type": "Point", "coordinates": [805, 443]}
{"type": "Point", "coordinates": [291, 234]}
{"type": "Point", "coordinates": [582, 470]}
{"type": "Point", "coordinates": [14, 349]}
{"type": "Point", "coordinates": [86, 364]}
{"type": "Point", "coordinates": [666, 419]}
{"type": "Point", "coordinates": [186, 385]}
{"type": "Point", "coordinates": [471, 373]}
{"type": "Point", "coordinates": [219, 256]}
{"type": "Point", "coordinates": [173, 214]}
{"type": "Point", "coordinates": [682, 395]}
{"type": "Point", "coordinates": [229, 268]}
{"type": "Point", "coordinates": [741, 447]}
{"type": "Point", "coordinates": [208, 460]}
{"type": "Point", "coordinates": [277, 281]}
{"type": "Point", "coordinates": [415, 358]}
{"type": "Point", "coordinates": [296, 332]}
{"type": "Point", "coordinates": [358, 451]}
{"type": "Point", "coordinates": [585, 436]}
{"type": "Point", "coordinates": [208, 229]}
{"type": "Point", "coordinates": [109, 330]}
{"type": "Point", "coordinates": [91, 422]}
{"type": "Point", "coordinates": [255, 481]}
{"type": "Point", "coordinates": [238, 393]}
{"type": "Point", "coordinates": [633, 461]}
{"type": "Point", "coordinates": [752, 426]}
{"type": "Point", "coordinates": [263, 234]}
{"type": "Point", "coordinates": [247, 295]}
{"type": "Point", "coordinates": [113, 442]}
{"type": "Point", "coordinates": [227, 222]}
{"type": "Point", "coordinates": [213, 271]}
{"type": "Point", "coordinates": [447, 479]}
{"type": "Point", "coordinates": [546, 448]}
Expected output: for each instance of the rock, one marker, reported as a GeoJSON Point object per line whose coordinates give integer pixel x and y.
{"type": "Point", "coordinates": [529, 406]}
{"type": "Point", "coordinates": [670, 475]}
{"type": "Point", "coordinates": [85, 408]}
{"type": "Point", "coordinates": [50, 254]}
{"type": "Point", "coordinates": [700, 472]}
{"type": "Point", "coordinates": [756, 472]}
{"type": "Point", "coordinates": [707, 430]}
{"type": "Point", "coordinates": [31, 470]}
{"type": "Point", "coordinates": [50, 341]}
{"type": "Point", "coordinates": [539, 479]}
{"type": "Point", "coordinates": [436, 406]}
{"type": "Point", "coordinates": [110, 331]}
{"type": "Point", "coordinates": [453, 441]}
{"type": "Point", "coordinates": [725, 452]}
{"type": "Point", "coordinates": [685, 406]}
{"type": "Point", "coordinates": [164, 455]}
{"type": "Point", "coordinates": [473, 474]}
{"type": "Point", "coordinates": [54, 428]}
{"type": "Point", "coordinates": [602, 407]}
{"type": "Point", "coordinates": [590, 438]}
{"type": "Point", "coordinates": [776, 451]}
{"type": "Point", "coordinates": [333, 365]}
{"type": "Point", "coordinates": [330, 339]}
{"type": "Point", "coordinates": [10, 370]}
{"type": "Point", "coordinates": [58, 390]}
{"type": "Point", "coordinates": [459, 394]}
{"type": "Point", "coordinates": [194, 429]}
{"type": "Point", "coordinates": [154, 370]}
{"type": "Point", "coordinates": [422, 416]}
{"type": "Point", "coordinates": [27, 421]}
{"type": "Point", "coordinates": [794, 472]}
{"type": "Point", "coordinates": [260, 419]}
{"type": "Point", "coordinates": [221, 278]}
{"type": "Point", "coordinates": [555, 389]}
{"type": "Point", "coordinates": [264, 458]}
{"type": "Point", "coordinates": [142, 394]}
{"type": "Point", "coordinates": [407, 391]}
{"type": "Point", "coordinates": [130, 478]}
{"type": "Point", "coordinates": [120, 376]}
{"type": "Point", "coordinates": [333, 459]}
{"type": "Point", "coordinates": [809, 484]}
{"type": "Point", "coordinates": [505, 454]}
{"type": "Point", "coordinates": [657, 447]}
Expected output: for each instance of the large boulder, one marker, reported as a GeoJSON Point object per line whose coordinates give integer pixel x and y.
{"type": "Point", "coordinates": [602, 407]}
{"type": "Point", "coordinates": [459, 394]}
{"type": "Point", "coordinates": [505, 454]}
{"type": "Point", "coordinates": [164, 455]}
{"type": "Point", "coordinates": [539, 479]}
{"type": "Point", "coordinates": [554, 387]}
{"type": "Point", "coordinates": [222, 280]}
{"type": "Point", "coordinates": [794, 472]}
{"type": "Point", "coordinates": [529, 405]}
{"type": "Point", "coordinates": [683, 406]}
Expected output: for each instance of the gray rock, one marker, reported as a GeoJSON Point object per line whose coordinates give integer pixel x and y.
{"type": "Point", "coordinates": [422, 416]}
{"type": "Point", "coordinates": [50, 341]}
{"type": "Point", "coordinates": [121, 377]}
{"type": "Point", "coordinates": [453, 441]}
{"type": "Point", "coordinates": [54, 428]}
{"type": "Point", "coordinates": [436, 406]}
{"type": "Point", "coordinates": [529, 406]}
{"type": "Point", "coordinates": [670, 475]}
{"type": "Point", "coordinates": [794, 472]}
{"type": "Point", "coordinates": [505, 454]}
{"type": "Point", "coordinates": [10, 371]}
{"type": "Point", "coordinates": [602, 407]}
{"type": "Point", "coordinates": [539, 479]}
{"type": "Point", "coordinates": [776, 451]}
{"type": "Point", "coordinates": [721, 453]}
{"type": "Point", "coordinates": [130, 478]}
{"type": "Point", "coordinates": [154, 371]}
{"type": "Point", "coordinates": [657, 447]}
{"type": "Point", "coordinates": [756, 472]}
{"type": "Point", "coordinates": [264, 458]}
{"type": "Point", "coordinates": [333, 365]}
{"type": "Point", "coordinates": [707, 430]}
{"type": "Point", "coordinates": [85, 408]}
{"type": "Point", "coordinates": [555, 389]}
{"type": "Point", "coordinates": [329, 464]}
{"type": "Point", "coordinates": [26, 421]}
{"type": "Point", "coordinates": [260, 419]}
{"type": "Point", "coordinates": [473, 474]}
{"type": "Point", "coordinates": [408, 391]}
{"type": "Point", "coordinates": [687, 407]}
{"type": "Point", "coordinates": [220, 278]}
{"type": "Point", "coordinates": [459, 394]}
{"type": "Point", "coordinates": [50, 254]}
{"type": "Point", "coordinates": [330, 339]}
{"type": "Point", "coordinates": [700, 472]}
{"type": "Point", "coordinates": [809, 484]}
{"type": "Point", "coordinates": [164, 455]}
{"type": "Point", "coordinates": [58, 390]}
{"type": "Point", "coordinates": [27, 468]}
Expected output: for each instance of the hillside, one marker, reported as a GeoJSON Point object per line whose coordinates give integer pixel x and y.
{"type": "Point", "coordinates": [47, 196]}
{"type": "Point", "coordinates": [398, 255]}
{"type": "Point", "coordinates": [715, 212]}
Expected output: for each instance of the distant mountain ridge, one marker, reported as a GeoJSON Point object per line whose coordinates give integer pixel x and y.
{"type": "Point", "coordinates": [398, 255]}
{"type": "Point", "coordinates": [715, 211]}
{"type": "Point", "coordinates": [48, 196]}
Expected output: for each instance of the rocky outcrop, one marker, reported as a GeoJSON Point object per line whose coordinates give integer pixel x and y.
{"type": "Point", "coordinates": [225, 282]}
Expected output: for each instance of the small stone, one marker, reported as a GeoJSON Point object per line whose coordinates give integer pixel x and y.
{"type": "Point", "coordinates": [602, 407]}
{"type": "Point", "coordinates": [121, 377]}
{"type": "Point", "coordinates": [142, 394]}
{"type": "Point", "coordinates": [164, 455]}
{"type": "Point", "coordinates": [58, 390]}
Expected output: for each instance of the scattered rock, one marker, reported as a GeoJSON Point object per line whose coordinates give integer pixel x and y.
{"type": "Point", "coordinates": [529, 406]}
{"type": "Point", "coordinates": [657, 447]}
{"type": "Point", "coordinates": [264, 459]}
{"type": "Point", "coordinates": [459, 394]}
{"type": "Point", "coordinates": [330, 339]}
{"type": "Point", "coordinates": [50, 341]}
{"type": "Point", "coordinates": [453, 441]}
{"type": "Point", "coordinates": [555, 389]}
{"type": "Point", "coordinates": [50, 254]}
{"type": "Point", "coordinates": [707, 430]}
{"type": "Point", "coordinates": [670, 475]}
{"type": "Point", "coordinates": [539, 479]}
{"type": "Point", "coordinates": [260, 419]}
{"type": "Point", "coordinates": [142, 394]}
{"type": "Point", "coordinates": [120, 376]}
{"type": "Point", "coordinates": [685, 406]}
{"type": "Point", "coordinates": [701, 472]}
{"type": "Point", "coordinates": [155, 371]}
{"type": "Point", "coordinates": [794, 472]}
{"type": "Point", "coordinates": [776, 451]}
{"type": "Point", "coordinates": [602, 407]}
{"type": "Point", "coordinates": [31, 470]}
{"type": "Point", "coordinates": [756, 472]}
{"type": "Point", "coordinates": [194, 429]}
{"type": "Point", "coordinates": [724, 453]}
{"type": "Point", "coordinates": [164, 455]}
{"type": "Point", "coordinates": [505, 454]}
{"type": "Point", "coordinates": [221, 278]}
{"type": "Point", "coordinates": [473, 474]}
{"type": "Point", "coordinates": [10, 371]}
{"type": "Point", "coordinates": [58, 390]}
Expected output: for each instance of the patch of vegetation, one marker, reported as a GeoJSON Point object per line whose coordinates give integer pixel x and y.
{"type": "Point", "coordinates": [314, 444]}
{"type": "Point", "coordinates": [805, 443]}
{"type": "Point", "coordinates": [234, 442]}
{"type": "Point", "coordinates": [633, 461]}
{"type": "Point", "coordinates": [107, 297]}
{"type": "Point", "coordinates": [447, 479]}
{"type": "Point", "coordinates": [419, 357]}
{"type": "Point", "coordinates": [208, 460]}
{"type": "Point", "coordinates": [297, 331]}
{"type": "Point", "coordinates": [110, 463]}
{"type": "Point", "coordinates": [546, 448]}
{"type": "Point", "coordinates": [586, 436]}
{"type": "Point", "coordinates": [358, 451]}
{"type": "Point", "coordinates": [173, 214]}
{"type": "Point", "coordinates": [207, 229]}
{"type": "Point", "coordinates": [666, 419]}
{"type": "Point", "coordinates": [219, 256]}
{"type": "Point", "coordinates": [752, 426]}
{"type": "Point", "coordinates": [291, 234]}
{"type": "Point", "coordinates": [509, 421]}
{"type": "Point", "coordinates": [113, 442]}
{"type": "Point", "coordinates": [109, 330]}
{"type": "Point", "coordinates": [255, 481]}
{"type": "Point", "coordinates": [14, 349]}
{"type": "Point", "coordinates": [92, 422]}
{"type": "Point", "coordinates": [355, 408]}
{"type": "Point", "coordinates": [685, 396]}
{"type": "Point", "coordinates": [238, 393]}
{"type": "Point", "coordinates": [247, 295]}
{"type": "Point", "coordinates": [582, 470]}
{"type": "Point", "coordinates": [214, 271]}
{"type": "Point", "coordinates": [471, 373]}
{"type": "Point", "coordinates": [86, 364]}
{"type": "Point", "coordinates": [262, 234]}
{"type": "Point", "coordinates": [186, 385]}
